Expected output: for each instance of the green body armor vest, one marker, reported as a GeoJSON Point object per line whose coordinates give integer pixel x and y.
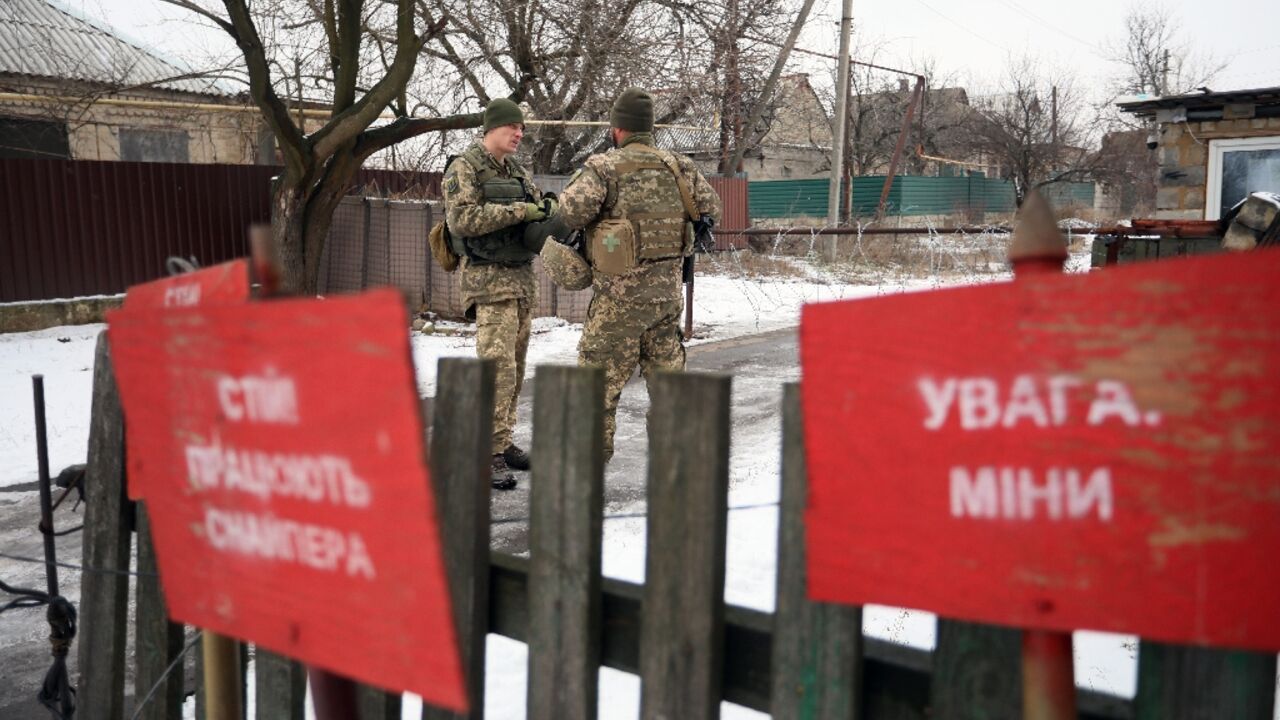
{"type": "Point", "coordinates": [504, 246]}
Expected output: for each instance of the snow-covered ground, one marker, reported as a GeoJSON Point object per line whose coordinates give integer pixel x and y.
{"type": "Point", "coordinates": [725, 306]}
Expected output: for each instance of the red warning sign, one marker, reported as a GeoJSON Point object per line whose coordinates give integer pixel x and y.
{"type": "Point", "coordinates": [282, 449]}
{"type": "Point", "coordinates": [223, 284]}
{"type": "Point", "coordinates": [1058, 452]}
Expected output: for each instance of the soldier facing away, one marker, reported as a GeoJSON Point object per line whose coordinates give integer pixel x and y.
{"type": "Point", "coordinates": [638, 205]}
{"type": "Point", "coordinates": [488, 200]}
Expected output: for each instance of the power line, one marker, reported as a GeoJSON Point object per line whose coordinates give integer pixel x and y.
{"type": "Point", "coordinates": [962, 26]}
{"type": "Point", "coordinates": [1032, 16]}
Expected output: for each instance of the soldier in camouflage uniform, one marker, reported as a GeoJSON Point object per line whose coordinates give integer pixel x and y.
{"type": "Point", "coordinates": [638, 228]}
{"type": "Point", "coordinates": [488, 200]}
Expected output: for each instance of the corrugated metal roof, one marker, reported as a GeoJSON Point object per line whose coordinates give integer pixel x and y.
{"type": "Point", "coordinates": [1147, 106]}
{"type": "Point", "coordinates": [45, 39]}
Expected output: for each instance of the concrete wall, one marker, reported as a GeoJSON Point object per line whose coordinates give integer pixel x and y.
{"type": "Point", "coordinates": [1182, 178]}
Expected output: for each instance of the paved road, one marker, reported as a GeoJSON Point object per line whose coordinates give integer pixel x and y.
{"type": "Point", "coordinates": [759, 365]}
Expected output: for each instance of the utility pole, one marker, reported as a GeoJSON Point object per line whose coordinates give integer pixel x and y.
{"type": "Point", "coordinates": [1164, 76]}
{"type": "Point", "coordinates": [838, 122]}
{"type": "Point", "coordinates": [1053, 118]}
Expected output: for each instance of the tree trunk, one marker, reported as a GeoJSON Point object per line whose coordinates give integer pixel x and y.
{"type": "Point", "coordinates": [287, 216]}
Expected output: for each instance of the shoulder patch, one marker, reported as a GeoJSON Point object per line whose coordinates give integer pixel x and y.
{"type": "Point", "coordinates": [451, 184]}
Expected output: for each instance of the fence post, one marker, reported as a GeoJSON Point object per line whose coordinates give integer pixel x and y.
{"type": "Point", "coordinates": [977, 672]}
{"type": "Point", "coordinates": [1177, 682]}
{"type": "Point", "coordinates": [461, 437]}
{"type": "Point", "coordinates": [565, 525]}
{"type": "Point", "coordinates": [377, 704]}
{"type": "Point", "coordinates": [280, 686]}
{"type": "Point", "coordinates": [682, 625]}
{"type": "Point", "coordinates": [158, 641]}
{"type": "Point", "coordinates": [104, 590]}
{"type": "Point", "coordinates": [817, 647]}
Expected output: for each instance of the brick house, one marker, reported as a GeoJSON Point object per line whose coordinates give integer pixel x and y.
{"type": "Point", "coordinates": [1213, 148]}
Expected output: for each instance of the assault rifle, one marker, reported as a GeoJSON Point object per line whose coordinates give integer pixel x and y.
{"type": "Point", "coordinates": [702, 242]}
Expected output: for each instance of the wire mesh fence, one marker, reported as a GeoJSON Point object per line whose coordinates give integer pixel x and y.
{"type": "Point", "coordinates": [378, 242]}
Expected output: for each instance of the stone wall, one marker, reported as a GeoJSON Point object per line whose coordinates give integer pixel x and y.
{"type": "Point", "coordinates": [1181, 181]}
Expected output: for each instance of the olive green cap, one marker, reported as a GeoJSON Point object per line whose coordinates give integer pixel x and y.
{"type": "Point", "coordinates": [633, 111]}
{"type": "Point", "coordinates": [501, 111]}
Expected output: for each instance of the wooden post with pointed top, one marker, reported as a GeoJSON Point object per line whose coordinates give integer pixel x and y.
{"type": "Point", "coordinates": [1048, 680]}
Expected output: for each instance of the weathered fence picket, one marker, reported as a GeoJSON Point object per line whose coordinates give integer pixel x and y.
{"type": "Point", "coordinates": [280, 686]}
{"type": "Point", "coordinates": [104, 596]}
{"type": "Point", "coordinates": [682, 630]}
{"type": "Point", "coordinates": [806, 660]}
{"type": "Point", "coordinates": [977, 672]}
{"type": "Point", "coordinates": [158, 641]}
{"type": "Point", "coordinates": [1185, 683]}
{"type": "Point", "coordinates": [565, 536]}
{"type": "Point", "coordinates": [461, 436]}
{"type": "Point", "coordinates": [817, 648]}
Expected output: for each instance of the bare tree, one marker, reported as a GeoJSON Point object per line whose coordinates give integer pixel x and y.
{"type": "Point", "coordinates": [1155, 57]}
{"type": "Point", "coordinates": [1036, 128]}
{"type": "Point", "coordinates": [878, 103]}
{"type": "Point", "coordinates": [361, 78]}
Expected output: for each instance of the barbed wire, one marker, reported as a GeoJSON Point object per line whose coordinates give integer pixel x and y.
{"type": "Point", "coordinates": [78, 568]}
{"type": "Point", "coordinates": [195, 640]}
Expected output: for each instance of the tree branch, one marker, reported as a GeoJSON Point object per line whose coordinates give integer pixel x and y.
{"type": "Point", "coordinates": [292, 142]}
{"type": "Point", "coordinates": [349, 123]}
{"type": "Point", "coordinates": [383, 137]}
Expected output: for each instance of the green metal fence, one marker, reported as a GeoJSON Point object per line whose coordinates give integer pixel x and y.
{"type": "Point", "coordinates": [909, 195]}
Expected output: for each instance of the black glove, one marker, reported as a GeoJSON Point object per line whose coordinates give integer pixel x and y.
{"type": "Point", "coordinates": [702, 238]}
{"type": "Point", "coordinates": [536, 233]}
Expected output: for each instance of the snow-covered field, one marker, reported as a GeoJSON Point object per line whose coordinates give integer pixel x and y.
{"type": "Point", "coordinates": [725, 306]}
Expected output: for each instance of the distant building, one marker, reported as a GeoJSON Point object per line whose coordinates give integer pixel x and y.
{"type": "Point", "coordinates": [796, 142]}
{"type": "Point", "coordinates": [71, 88]}
{"type": "Point", "coordinates": [1214, 148]}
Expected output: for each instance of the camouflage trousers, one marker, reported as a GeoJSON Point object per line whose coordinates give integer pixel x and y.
{"type": "Point", "coordinates": [502, 335]}
{"type": "Point", "coordinates": [620, 336]}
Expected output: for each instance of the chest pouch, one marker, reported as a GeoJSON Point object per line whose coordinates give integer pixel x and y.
{"type": "Point", "coordinates": [611, 246]}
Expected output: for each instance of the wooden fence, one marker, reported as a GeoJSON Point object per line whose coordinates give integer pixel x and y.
{"type": "Point", "coordinates": [691, 650]}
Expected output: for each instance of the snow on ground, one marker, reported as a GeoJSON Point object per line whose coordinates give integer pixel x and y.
{"type": "Point", "coordinates": [725, 306]}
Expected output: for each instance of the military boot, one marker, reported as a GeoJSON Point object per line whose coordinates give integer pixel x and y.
{"type": "Point", "coordinates": [516, 458]}
{"type": "Point", "coordinates": [502, 477]}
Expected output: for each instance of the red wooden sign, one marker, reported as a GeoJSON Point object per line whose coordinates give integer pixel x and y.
{"type": "Point", "coordinates": [218, 285]}
{"type": "Point", "coordinates": [282, 449]}
{"type": "Point", "coordinates": [223, 284]}
{"type": "Point", "coordinates": [1059, 452]}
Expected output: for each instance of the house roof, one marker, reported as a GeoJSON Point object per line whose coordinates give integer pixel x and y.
{"type": "Point", "coordinates": [1148, 106]}
{"type": "Point", "coordinates": [41, 38]}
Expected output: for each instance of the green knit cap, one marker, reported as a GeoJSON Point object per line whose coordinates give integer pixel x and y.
{"type": "Point", "coordinates": [633, 110]}
{"type": "Point", "coordinates": [501, 111]}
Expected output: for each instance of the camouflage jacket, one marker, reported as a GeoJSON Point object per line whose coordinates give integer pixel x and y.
{"type": "Point", "coordinates": [468, 215]}
{"type": "Point", "coordinates": [584, 202]}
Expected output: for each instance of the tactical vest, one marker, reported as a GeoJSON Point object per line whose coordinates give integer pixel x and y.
{"type": "Point", "coordinates": [504, 246]}
{"type": "Point", "coordinates": [646, 196]}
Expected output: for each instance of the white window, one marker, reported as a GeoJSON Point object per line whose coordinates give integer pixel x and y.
{"type": "Point", "coordinates": [1239, 167]}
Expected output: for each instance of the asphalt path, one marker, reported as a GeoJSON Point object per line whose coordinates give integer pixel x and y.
{"type": "Point", "coordinates": [759, 364]}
